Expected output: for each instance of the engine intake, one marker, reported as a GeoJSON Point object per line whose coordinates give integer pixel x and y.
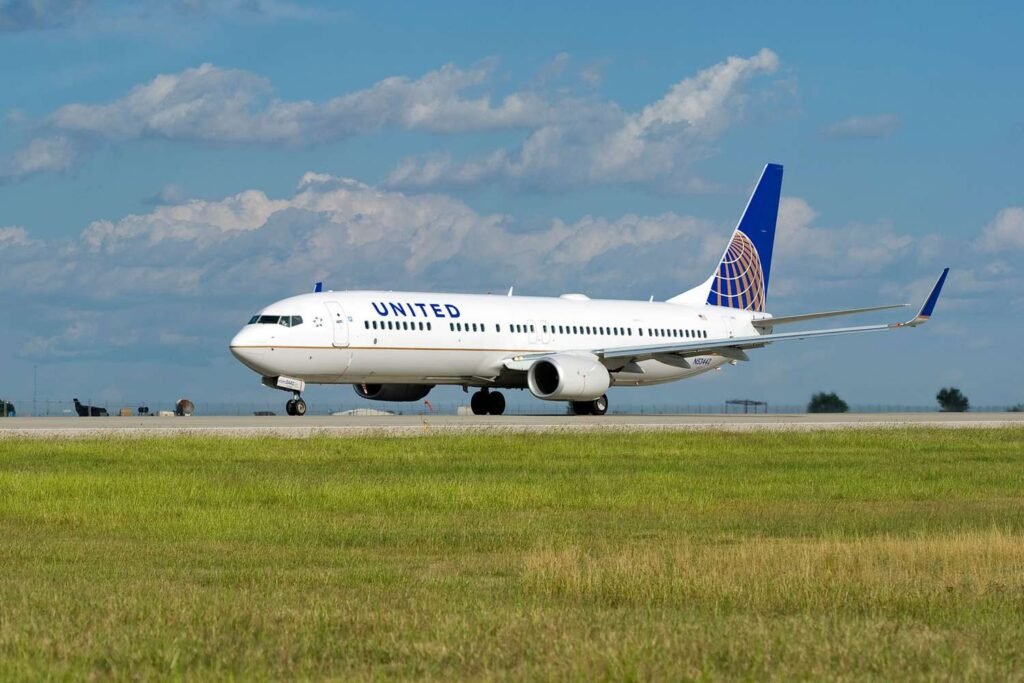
{"type": "Point", "coordinates": [565, 377]}
{"type": "Point", "coordinates": [393, 392]}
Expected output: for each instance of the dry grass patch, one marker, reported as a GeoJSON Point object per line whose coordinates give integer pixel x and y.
{"type": "Point", "coordinates": [876, 575]}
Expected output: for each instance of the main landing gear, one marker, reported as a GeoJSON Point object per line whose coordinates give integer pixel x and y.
{"type": "Point", "coordinates": [599, 406]}
{"type": "Point", "coordinates": [487, 402]}
{"type": "Point", "coordinates": [296, 406]}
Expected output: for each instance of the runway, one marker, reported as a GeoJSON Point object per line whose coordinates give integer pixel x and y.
{"type": "Point", "coordinates": [418, 425]}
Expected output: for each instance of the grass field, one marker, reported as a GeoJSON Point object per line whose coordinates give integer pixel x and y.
{"type": "Point", "coordinates": [891, 554]}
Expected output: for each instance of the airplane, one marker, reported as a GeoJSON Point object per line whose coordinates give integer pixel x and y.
{"type": "Point", "coordinates": [397, 346]}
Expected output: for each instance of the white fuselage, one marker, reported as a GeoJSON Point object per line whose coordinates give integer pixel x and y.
{"type": "Point", "coordinates": [428, 338]}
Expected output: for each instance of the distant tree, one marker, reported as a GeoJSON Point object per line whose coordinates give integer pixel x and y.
{"type": "Point", "coordinates": [951, 400]}
{"type": "Point", "coordinates": [827, 403]}
{"type": "Point", "coordinates": [1019, 408]}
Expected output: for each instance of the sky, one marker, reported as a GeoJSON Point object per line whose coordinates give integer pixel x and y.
{"type": "Point", "coordinates": [167, 169]}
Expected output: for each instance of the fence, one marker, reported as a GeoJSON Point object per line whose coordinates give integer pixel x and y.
{"type": "Point", "coordinates": [57, 408]}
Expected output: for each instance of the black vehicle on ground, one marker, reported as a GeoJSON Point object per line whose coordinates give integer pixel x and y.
{"type": "Point", "coordinates": [89, 411]}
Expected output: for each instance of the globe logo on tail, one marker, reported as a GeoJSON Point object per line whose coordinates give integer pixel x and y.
{"type": "Point", "coordinates": [739, 282]}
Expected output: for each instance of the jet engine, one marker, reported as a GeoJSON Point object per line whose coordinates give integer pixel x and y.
{"type": "Point", "coordinates": [567, 377]}
{"type": "Point", "coordinates": [393, 392]}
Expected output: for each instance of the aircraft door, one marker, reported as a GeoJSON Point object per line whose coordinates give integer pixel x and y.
{"type": "Point", "coordinates": [339, 322]}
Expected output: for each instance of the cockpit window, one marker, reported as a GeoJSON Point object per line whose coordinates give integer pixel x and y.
{"type": "Point", "coordinates": [284, 320]}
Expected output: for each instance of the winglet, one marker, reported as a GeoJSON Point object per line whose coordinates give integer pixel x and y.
{"type": "Point", "coordinates": [318, 287]}
{"type": "Point", "coordinates": [929, 305]}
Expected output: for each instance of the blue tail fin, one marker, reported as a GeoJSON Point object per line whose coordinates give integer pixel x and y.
{"type": "Point", "coordinates": [741, 280]}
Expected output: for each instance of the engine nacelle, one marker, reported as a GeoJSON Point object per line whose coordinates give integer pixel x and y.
{"type": "Point", "coordinates": [393, 392]}
{"type": "Point", "coordinates": [567, 377]}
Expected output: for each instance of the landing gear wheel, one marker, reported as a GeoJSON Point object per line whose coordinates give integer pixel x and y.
{"type": "Point", "coordinates": [599, 406]}
{"type": "Point", "coordinates": [581, 407]}
{"type": "Point", "coordinates": [479, 402]}
{"type": "Point", "coordinates": [289, 407]}
{"type": "Point", "coordinates": [296, 406]}
{"type": "Point", "coordinates": [495, 403]}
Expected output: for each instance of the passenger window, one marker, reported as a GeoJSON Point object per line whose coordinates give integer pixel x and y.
{"type": "Point", "coordinates": [366, 324]}
{"type": "Point", "coordinates": [532, 329]}
{"type": "Point", "coordinates": [429, 327]}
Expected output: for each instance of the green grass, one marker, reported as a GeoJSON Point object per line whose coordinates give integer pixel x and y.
{"type": "Point", "coordinates": [889, 554]}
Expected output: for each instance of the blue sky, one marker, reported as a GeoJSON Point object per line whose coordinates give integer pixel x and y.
{"type": "Point", "coordinates": [167, 168]}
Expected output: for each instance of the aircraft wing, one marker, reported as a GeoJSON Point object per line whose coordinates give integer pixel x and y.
{"type": "Point", "coordinates": [803, 317]}
{"type": "Point", "coordinates": [734, 347]}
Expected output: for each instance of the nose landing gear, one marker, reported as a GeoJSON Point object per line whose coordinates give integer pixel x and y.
{"type": "Point", "coordinates": [296, 406]}
{"type": "Point", "coordinates": [486, 402]}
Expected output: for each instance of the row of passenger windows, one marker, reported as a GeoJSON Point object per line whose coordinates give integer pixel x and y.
{"type": "Point", "coordinates": [285, 320]}
{"type": "Point", "coordinates": [671, 332]}
{"type": "Point", "coordinates": [522, 328]}
{"type": "Point", "coordinates": [397, 325]}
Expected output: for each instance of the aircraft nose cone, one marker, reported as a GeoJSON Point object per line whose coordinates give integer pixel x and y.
{"type": "Point", "coordinates": [245, 348]}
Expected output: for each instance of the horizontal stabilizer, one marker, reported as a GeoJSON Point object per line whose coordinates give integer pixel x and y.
{"type": "Point", "coordinates": [787, 319]}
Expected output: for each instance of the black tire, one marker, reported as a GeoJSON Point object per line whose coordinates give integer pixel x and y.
{"type": "Point", "coordinates": [599, 406]}
{"type": "Point", "coordinates": [289, 407]}
{"type": "Point", "coordinates": [581, 407]}
{"type": "Point", "coordinates": [495, 403]}
{"type": "Point", "coordinates": [478, 403]}
{"type": "Point", "coordinates": [300, 407]}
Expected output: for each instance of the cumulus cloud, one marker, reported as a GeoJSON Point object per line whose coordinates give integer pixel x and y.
{"type": "Point", "coordinates": [14, 235]}
{"type": "Point", "coordinates": [249, 248]}
{"type": "Point", "coordinates": [1006, 231]}
{"type": "Point", "coordinates": [855, 248]}
{"type": "Point", "coordinates": [571, 139]}
{"type": "Point", "coordinates": [204, 259]}
{"type": "Point", "coordinates": [29, 15]}
{"type": "Point", "coordinates": [863, 127]}
{"type": "Point", "coordinates": [605, 144]}
{"type": "Point", "coordinates": [210, 103]}
{"type": "Point", "coordinates": [38, 156]}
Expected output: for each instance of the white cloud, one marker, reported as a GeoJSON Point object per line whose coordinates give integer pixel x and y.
{"type": "Point", "coordinates": [603, 144]}
{"type": "Point", "coordinates": [15, 236]}
{"type": "Point", "coordinates": [40, 155]}
{"type": "Point", "coordinates": [571, 140]}
{"type": "Point", "coordinates": [855, 248]}
{"type": "Point", "coordinates": [210, 103]}
{"type": "Point", "coordinates": [202, 259]}
{"type": "Point", "coordinates": [1006, 231]}
{"type": "Point", "coordinates": [863, 127]}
